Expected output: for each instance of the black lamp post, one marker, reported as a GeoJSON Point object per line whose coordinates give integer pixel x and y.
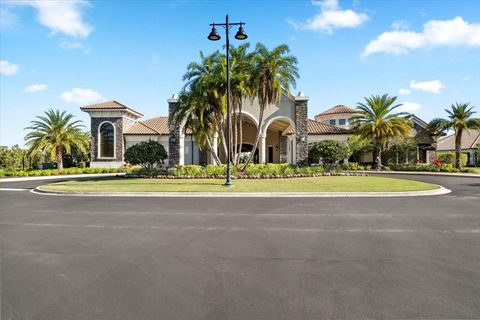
{"type": "Point", "coordinates": [214, 36]}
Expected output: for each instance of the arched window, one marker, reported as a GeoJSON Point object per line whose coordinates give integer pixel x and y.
{"type": "Point", "coordinates": [106, 136]}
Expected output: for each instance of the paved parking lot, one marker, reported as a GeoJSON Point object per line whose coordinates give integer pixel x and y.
{"type": "Point", "coordinates": [244, 258]}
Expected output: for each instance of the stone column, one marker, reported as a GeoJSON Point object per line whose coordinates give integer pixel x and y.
{"type": "Point", "coordinates": [301, 130]}
{"type": "Point", "coordinates": [283, 149]}
{"type": "Point", "coordinates": [175, 150]}
{"type": "Point", "coordinates": [261, 149]}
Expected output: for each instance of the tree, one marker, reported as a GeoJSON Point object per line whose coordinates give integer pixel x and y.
{"type": "Point", "coordinates": [459, 119]}
{"type": "Point", "coordinates": [273, 71]}
{"type": "Point", "coordinates": [329, 151]}
{"type": "Point", "coordinates": [377, 122]}
{"type": "Point", "coordinates": [146, 154]}
{"type": "Point", "coordinates": [357, 146]}
{"type": "Point", "coordinates": [54, 133]}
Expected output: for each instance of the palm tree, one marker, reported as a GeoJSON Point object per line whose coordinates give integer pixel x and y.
{"type": "Point", "coordinates": [377, 122]}
{"type": "Point", "coordinates": [459, 119]}
{"type": "Point", "coordinates": [273, 71]}
{"type": "Point", "coordinates": [54, 133]}
{"type": "Point", "coordinates": [241, 87]}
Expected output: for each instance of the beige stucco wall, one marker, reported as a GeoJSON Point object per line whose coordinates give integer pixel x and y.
{"type": "Point", "coordinates": [284, 109]}
{"type": "Point", "coordinates": [320, 137]}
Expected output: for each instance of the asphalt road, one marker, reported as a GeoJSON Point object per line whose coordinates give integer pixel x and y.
{"type": "Point", "coordinates": [243, 258]}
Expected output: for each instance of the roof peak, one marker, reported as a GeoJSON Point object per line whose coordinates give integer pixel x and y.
{"type": "Point", "coordinates": [339, 108]}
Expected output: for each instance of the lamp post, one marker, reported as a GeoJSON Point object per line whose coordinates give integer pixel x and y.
{"type": "Point", "coordinates": [214, 36]}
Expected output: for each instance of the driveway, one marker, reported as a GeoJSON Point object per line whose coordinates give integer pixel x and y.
{"type": "Point", "coordinates": [241, 258]}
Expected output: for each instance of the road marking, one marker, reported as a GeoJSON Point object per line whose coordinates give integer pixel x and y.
{"type": "Point", "coordinates": [199, 228]}
{"type": "Point", "coordinates": [15, 189]}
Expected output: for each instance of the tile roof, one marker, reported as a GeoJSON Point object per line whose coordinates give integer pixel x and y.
{"type": "Point", "coordinates": [470, 139]}
{"type": "Point", "coordinates": [157, 125]}
{"type": "Point", "coordinates": [109, 105]}
{"type": "Point", "coordinates": [317, 127]}
{"type": "Point", "coordinates": [337, 110]}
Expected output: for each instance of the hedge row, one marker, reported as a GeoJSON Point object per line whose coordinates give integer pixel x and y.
{"type": "Point", "coordinates": [253, 171]}
{"type": "Point", "coordinates": [54, 172]}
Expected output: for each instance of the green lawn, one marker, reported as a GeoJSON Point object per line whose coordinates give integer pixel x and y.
{"type": "Point", "coordinates": [317, 184]}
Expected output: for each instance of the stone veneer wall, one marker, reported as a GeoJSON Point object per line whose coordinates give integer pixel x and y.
{"type": "Point", "coordinates": [118, 124]}
{"type": "Point", "coordinates": [283, 149]}
{"type": "Point", "coordinates": [301, 130]}
{"type": "Point", "coordinates": [174, 139]}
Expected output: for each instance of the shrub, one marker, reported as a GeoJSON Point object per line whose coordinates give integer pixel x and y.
{"type": "Point", "coordinates": [330, 151]}
{"type": "Point", "coordinates": [449, 157]}
{"type": "Point", "coordinates": [146, 154]}
{"type": "Point", "coordinates": [189, 170]}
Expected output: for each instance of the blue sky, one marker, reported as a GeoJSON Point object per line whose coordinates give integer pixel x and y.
{"type": "Point", "coordinates": [60, 54]}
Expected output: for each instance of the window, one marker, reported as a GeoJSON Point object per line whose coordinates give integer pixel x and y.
{"type": "Point", "coordinates": [106, 136]}
{"type": "Point", "coordinates": [333, 122]}
{"type": "Point", "coordinates": [341, 122]}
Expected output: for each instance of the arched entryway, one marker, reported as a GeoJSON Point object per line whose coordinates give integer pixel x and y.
{"type": "Point", "coordinates": [277, 141]}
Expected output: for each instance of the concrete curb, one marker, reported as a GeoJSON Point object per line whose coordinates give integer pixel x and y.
{"type": "Point", "coordinates": [435, 192]}
{"type": "Point", "coordinates": [63, 176]}
{"type": "Point", "coordinates": [425, 173]}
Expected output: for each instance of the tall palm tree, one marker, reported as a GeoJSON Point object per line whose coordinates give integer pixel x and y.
{"type": "Point", "coordinates": [54, 133]}
{"type": "Point", "coordinates": [241, 87]}
{"type": "Point", "coordinates": [377, 122]}
{"type": "Point", "coordinates": [273, 71]}
{"type": "Point", "coordinates": [206, 87]}
{"type": "Point", "coordinates": [459, 119]}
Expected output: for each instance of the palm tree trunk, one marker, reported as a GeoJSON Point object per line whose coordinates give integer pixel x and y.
{"type": "Point", "coordinates": [235, 137]}
{"type": "Point", "coordinates": [240, 129]}
{"type": "Point", "coordinates": [458, 149]}
{"type": "Point", "coordinates": [257, 138]}
{"type": "Point", "coordinates": [59, 158]}
{"type": "Point", "coordinates": [213, 152]}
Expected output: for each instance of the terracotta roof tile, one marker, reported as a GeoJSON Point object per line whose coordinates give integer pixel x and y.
{"type": "Point", "coordinates": [316, 127]}
{"type": "Point", "coordinates": [157, 125]}
{"type": "Point", "coordinates": [470, 139]}
{"type": "Point", "coordinates": [337, 110]}
{"type": "Point", "coordinates": [109, 105]}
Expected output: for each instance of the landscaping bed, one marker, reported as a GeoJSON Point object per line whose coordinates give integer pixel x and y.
{"type": "Point", "coordinates": [308, 184]}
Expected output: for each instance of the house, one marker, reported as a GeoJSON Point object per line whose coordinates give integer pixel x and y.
{"type": "Point", "coordinates": [285, 133]}
{"type": "Point", "coordinates": [470, 143]}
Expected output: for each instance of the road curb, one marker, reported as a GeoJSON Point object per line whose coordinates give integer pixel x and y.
{"type": "Point", "coordinates": [426, 173]}
{"type": "Point", "coordinates": [435, 192]}
{"type": "Point", "coordinates": [62, 176]}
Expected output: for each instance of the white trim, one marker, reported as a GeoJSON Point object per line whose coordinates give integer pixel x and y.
{"type": "Point", "coordinates": [250, 116]}
{"type": "Point", "coordinates": [114, 141]}
{"type": "Point", "coordinates": [272, 120]}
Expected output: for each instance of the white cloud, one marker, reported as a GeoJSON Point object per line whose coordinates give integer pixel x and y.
{"type": "Point", "coordinates": [61, 16]}
{"type": "Point", "coordinates": [74, 45]}
{"type": "Point", "coordinates": [434, 86]}
{"type": "Point", "coordinates": [331, 17]}
{"type": "Point", "coordinates": [436, 33]}
{"type": "Point", "coordinates": [81, 96]}
{"type": "Point", "coordinates": [36, 87]}
{"type": "Point", "coordinates": [403, 92]}
{"type": "Point", "coordinates": [409, 107]}
{"type": "Point", "coordinates": [400, 25]}
{"type": "Point", "coordinates": [7, 68]}
{"type": "Point", "coordinates": [467, 78]}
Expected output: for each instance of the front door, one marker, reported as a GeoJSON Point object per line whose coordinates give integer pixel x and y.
{"type": "Point", "coordinates": [270, 154]}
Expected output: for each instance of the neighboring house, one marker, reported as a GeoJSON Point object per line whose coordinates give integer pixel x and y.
{"type": "Point", "coordinates": [339, 116]}
{"type": "Point", "coordinates": [470, 142]}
